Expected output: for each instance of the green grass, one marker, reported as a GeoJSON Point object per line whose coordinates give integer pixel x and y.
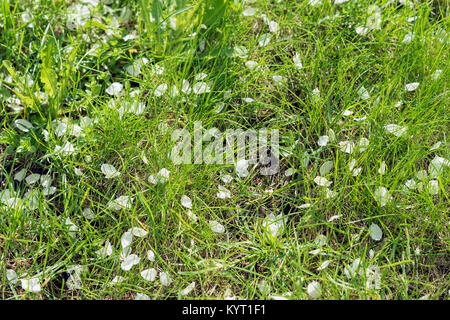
{"type": "Point", "coordinates": [61, 72]}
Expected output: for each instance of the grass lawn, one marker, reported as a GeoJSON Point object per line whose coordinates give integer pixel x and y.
{"type": "Point", "coordinates": [93, 205]}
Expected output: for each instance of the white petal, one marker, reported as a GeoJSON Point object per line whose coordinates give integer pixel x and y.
{"type": "Point", "coordinates": [72, 227]}
{"type": "Point", "coordinates": [74, 280]}
{"type": "Point", "coordinates": [164, 173]}
{"type": "Point", "coordinates": [363, 144]}
{"type": "Point", "coordinates": [347, 113]}
{"type": "Point", "coordinates": [297, 61]}
{"type": "Point", "coordinates": [242, 168]}
{"type": "Point", "coordinates": [188, 289]}
{"type": "Point", "coordinates": [351, 165]}
{"type": "Point", "coordinates": [126, 251]}
{"type": "Point", "coordinates": [360, 119]}
{"type": "Point", "coordinates": [251, 65]}
{"type": "Point", "coordinates": [223, 193]}
{"type": "Point", "coordinates": [109, 171]}
{"type": "Point", "coordinates": [19, 176]}
{"type": "Point", "coordinates": [323, 182]}
{"type": "Point", "coordinates": [157, 69]}
{"type": "Point", "coordinates": [192, 215]}
{"type": "Point", "coordinates": [412, 86]}
{"type": "Point", "coordinates": [326, 167]}
{"type": "Point", "coordinates": [315, 251]}
{"type": "Point", "coordinates": [88, 213]}
{"type": "Point", "coordinates": [152, 179]}
{"type": "Point", "coordinates": [33, 178]}
{"type": "Point", "coordinates": [323, 141]}
{"type": "Point", "coordinates": [151, 255]}
{"type": "Point", "coordinates": [264, 39]}
{"type": "Point", "coordinates": [395, 129]}
{"type": "Point", "coordinates": [201, 87]}
{"type": "Point", "coordinates": [109, 248]}
{"type": "Point", "coordinates": [129, 262]}
{"type": "Point", "coordinates": [315, 94]}
{"type": "Point", "coordinates": [141, 296]}
{"type": "Point", "coordinates": [67, 149]}
{"type": "Point", "coordinates": [354, 269]}
{"type": "Point", "coordinates": [263, 15]}
{"type": "Point", "coordinates": [361, 30]}
{"type": "Point", "coordinates": [382, 169]}
{"type": "Point", "coordinates": [273, 26]}
{"type": "Point", "coordinates": [61, 128]}
{"type": "Point", "coordinates": [78, 172]}
{"type": "Point", "coordinates": [160, 90]}
{"type": "Point", "coordinates": [106, 251]}
{"type": "Point", "coordinates": [330, 194]}
{"type": "Point", "coordinates": [11, 276]}
{"type": "Point", "coordinates": [373, 277]}
{"type": "Point", "coordinates": [23, 125]}
{"type": "Point", "coordinates": [363, 93]}
{"type": "Point", "coordinates": [249, 12]}
{"type": "Point", "coordinates": [117, 279]}
{"type": "Point", "coordinates": [114, 89]}
{"type": "Point", "coordinates": [279, 80]}
{"type": "Point", "coordinates": [227, 178]}
{"type": "Point", "coordinates": [408, 38]}
{"type": "Point", "coordinates": [274, 224]}
{"type": "Point", "coordinates": [127, 239]}
{"type": "Point", "coordinates": [185, 87]}
{"type": "Point", "coordinates": [174, 91]}
{"type": "Point", "coordinates": [289, 172]}
{"type": "Point", "coordinates": [422, 175]}
{"type": "Point", "coordinates": [165, 279]}
{"type": "Point", "coordinates": [334, 218]}
{"type": "Point", "coordinates": [129, 37]}
{"type": "Point", "coordinates": [31, 285]}
{"type": "Point", "coordinates": [263, 287]}
{"type": "Point", "coordinates": [347, 146]}
{"type": "Point", "coordinates": [436, 166]}
{"type": "Point", "coordinates": [433, 187]}
{"type": "Point", "coordinates": [321, 240]}
{"type": "Point", "coordinates": [324, 264]}
{"type": "Point", "coordinates": [382, 196]}
{"type": "Point", "coordinates": [357, 171]}
{"type": "Point", "coordinates": [436, 74]}
{"type": "Point", "coordinates": [46, 181]}
{"type": "Point", "coordinates": [201, 76]}
{"type": "Point", "coordinates": [435, 146]}
{"type": "Point", "coordinates": [48, 191]}
{"type": "Point", "coordinates": [138, 232]}
{"type": "Point", "coordinates": [186, 202]}
{"type": "Point", "coordinates": [410, 184]}
{"type": "Point", "coordinates": [331, 134]}
{"type": "Point", "coordinates": [241, 52]}
{"type": "Point", "coordinates": [122, 202]}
